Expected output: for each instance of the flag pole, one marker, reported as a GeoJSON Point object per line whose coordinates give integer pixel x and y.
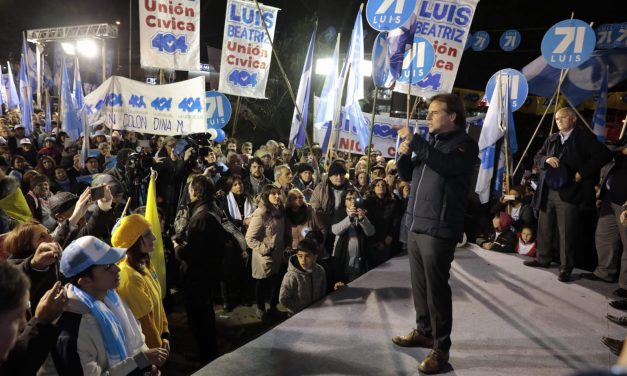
{"type": "Point", "coordinates": [284, 75]}
{"type": "Point", "coordinates": [546, 110]}
{"type": "Point", "coordinates": [622, 132]}
{"type": "Point", "coordinates": [374, 107]}
{"type": "Point", "coordinates": [237, 104]}
{"type": "Point", "coordinates": [505, 120]}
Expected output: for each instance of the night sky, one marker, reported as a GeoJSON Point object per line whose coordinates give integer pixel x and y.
{"type": "Point", "coordinates": [531, 18]}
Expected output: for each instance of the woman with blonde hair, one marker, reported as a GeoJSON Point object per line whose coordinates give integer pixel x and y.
{"type": "Point", "coordinates": [139, 286]}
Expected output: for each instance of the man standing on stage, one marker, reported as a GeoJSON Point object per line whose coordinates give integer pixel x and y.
{"type": "Point", "coordinates": [440, 175]}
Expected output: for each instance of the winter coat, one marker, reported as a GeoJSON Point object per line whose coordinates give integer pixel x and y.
{"type": "Point", "coordinates": [266, 237]}
{"type": "Point", "coordinates": [440, 180]}
{"type": "Point", "coordinates": [299, 288]}
{"type": "Point", "coordinates": [581, 153]}
{"type": "Point", "coordinates": [201, 253]}
{"type": "Point", "coordinates": [80, 348]}
{"type": "Point", "coordinates": [341, 253]}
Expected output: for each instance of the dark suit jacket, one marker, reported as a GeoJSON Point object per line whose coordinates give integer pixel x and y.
{"type": "Point", "coordinates": [582, 153]}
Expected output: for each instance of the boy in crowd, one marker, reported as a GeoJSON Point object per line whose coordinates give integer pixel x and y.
{"type": "Point", "coordinates": [99, 334]}
{"type": "Point", "coordinates": [305, 280]}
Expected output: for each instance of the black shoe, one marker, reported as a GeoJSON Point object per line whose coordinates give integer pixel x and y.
{"type": "Point", "coordinates": [535, 264]}
{"type": "Point", "coordinates": [619, 304]}
{"type": "Point", "coordinates": [564, 276]}
{"type": "Point", "coordinates": [618, 320]}
{"type": "Point", "coordinates": [615, 345]}
{"type": "Point", "coordinates": [620, 292]}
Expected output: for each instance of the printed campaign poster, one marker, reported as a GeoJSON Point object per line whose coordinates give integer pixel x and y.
{"type": "Point", "coordinates": [168, 110]}
{"type": "Point", "coordinates": [384, 136]}
{"type": "Point", "coordinates": [246, 49]}
{"type": "Point", "coordinates": [446, 24]}
{"type": "Point", "coordinates": [169, 34]}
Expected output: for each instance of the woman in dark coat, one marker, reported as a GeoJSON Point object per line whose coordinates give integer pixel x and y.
{"type": "Point", "coordinates": [383, 212]}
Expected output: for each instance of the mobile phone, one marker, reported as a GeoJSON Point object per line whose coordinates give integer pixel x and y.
{"type": "Point", "coordinates": [509, 197]}
{"type": "Point", "coordinates": [97, 192]}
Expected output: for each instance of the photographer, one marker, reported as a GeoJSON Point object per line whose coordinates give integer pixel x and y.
{"type": "Point", "coordinates": [521, 213]}
{"type": "Point", "coordinates": [350, 229]}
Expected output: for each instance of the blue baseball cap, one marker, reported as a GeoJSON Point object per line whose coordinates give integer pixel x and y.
{"type": "Point", "coordinates": [85, 252]}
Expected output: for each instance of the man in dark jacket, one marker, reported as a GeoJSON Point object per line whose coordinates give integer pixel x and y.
{"type": "Point", "coordinates": [200, 254]}
{"type": "Point", "coordinates": [570, 161]}
{"type": "Point", "coordinates": [440, 176]}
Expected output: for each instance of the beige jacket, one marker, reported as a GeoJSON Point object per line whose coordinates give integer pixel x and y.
{"type": "Point", "coordinates": [266, 237]}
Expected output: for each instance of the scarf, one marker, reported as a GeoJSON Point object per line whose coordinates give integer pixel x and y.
{"type": "Point", "coordinates": [299, 216]}
{"type": "Point", "coordinates": [119, 335]}
{"type": "Point", "coordinates": [234, 208]}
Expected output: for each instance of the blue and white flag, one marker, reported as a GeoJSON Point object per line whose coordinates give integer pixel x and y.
{"type": "Point", "coordinates": [26, 99]}
{"type": "Point", "coordinates": [398, 41]}
{"type": "Point", "coordinates": [327, 103]}
{"type": "Point", "coordinates": [491, 133]}
{"type": "Point", "coordinates": [582, 82]}
{"type": "Point", "coordinates": [48, 123]}
{"type": "Point", "coordinates": [13, 99]}
{"type": "Point", "coordinates": [78, 86]}
{"type": "Point", "coordinates": [355, 85]}
{"type": "Point", "coordinates": [299, 125]}
{"type": "Point", "coordinates": [85, 147]}
{"type": "Point", "coordinates": [71, 122]}
{"type": "Point", "coordinates": [31, 65]}
{"type": "Point", "coordinates": [598, 119]}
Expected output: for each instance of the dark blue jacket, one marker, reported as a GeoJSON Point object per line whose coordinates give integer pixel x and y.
{"type": "Point", "coordinates": [440, 177]}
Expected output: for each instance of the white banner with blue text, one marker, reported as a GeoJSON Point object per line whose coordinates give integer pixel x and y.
{"type": "Point", "coordinates": [384, 136]}
{"type": "Point", "coordinates": [169, 34]}
{"type": "Point", "coordinates": [173, 109]}
{"type": "Point", "coordinates": [246, 49]}
{"type": "Point", "coordinates": [446, 24]}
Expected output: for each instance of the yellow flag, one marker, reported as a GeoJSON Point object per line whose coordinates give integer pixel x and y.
{"type": "Point", "coordinates": [157, 257]}
{"type": "Point", "coordinates": [16, 207]}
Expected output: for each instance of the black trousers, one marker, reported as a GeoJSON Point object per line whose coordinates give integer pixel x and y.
{"type": "Point", "coordinates": [430, 263]}
{"type": "Point", "coordinates": [201, 319]}
{"type": "Point", "coordinates": [267, 290]}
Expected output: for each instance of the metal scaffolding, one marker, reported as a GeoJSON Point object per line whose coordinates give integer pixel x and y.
{"type": "Point", "coordinates": [66, 34]}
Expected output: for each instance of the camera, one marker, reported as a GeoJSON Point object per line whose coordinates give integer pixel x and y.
{"type": "Point", "coordinates": [199, 144]}
{"type": "Point", "coordinates": [359, 203]}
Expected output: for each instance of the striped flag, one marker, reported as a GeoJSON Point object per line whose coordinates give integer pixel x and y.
{"type": "Point", "coordinates": [13, 99]}
{"type": "Point", "coordinates": [598, 119]}
{"type": "Point", "coordinates": [325, 109]}
{"type": "Point", "coordinates": [157, 257]}
{"type": "Point", "coordinates": [299, 125]}
{"type": "Point", "coordinates": [26, 99]}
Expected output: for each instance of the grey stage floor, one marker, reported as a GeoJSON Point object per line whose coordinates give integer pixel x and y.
{"type": "Point", "coordinates": [508, 320]}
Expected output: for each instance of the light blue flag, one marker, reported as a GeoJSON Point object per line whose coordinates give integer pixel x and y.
{"type": "Point", "coordinates": [598, 119]}
{"type": "Point", "coordinates": [491, 133]}
{"type": "Point", "coordinates": [71, 122]}
{"type": "Point", "coordinates": [31, 65]}
{"type": "Point", "coordinates": [13, 100]}
{"type": "Point", "coordinates": [48, 124]}
{"type": "Point", "coordinates": [297, 132]}
{"type": "Point", "coordinates": [355, 84]}
{"type": "Point", "coordinates": [327, 103]}
{"type": "Point", "coordinates": [78, 86]}
{"type": "Point", "coordinates": [26, 99]}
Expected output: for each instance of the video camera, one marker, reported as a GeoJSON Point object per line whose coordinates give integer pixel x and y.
{"type": "Point", "coordinates": [199, 144]}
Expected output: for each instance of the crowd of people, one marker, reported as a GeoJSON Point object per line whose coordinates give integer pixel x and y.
{"type": "Point", "coordinates": [267, 227]}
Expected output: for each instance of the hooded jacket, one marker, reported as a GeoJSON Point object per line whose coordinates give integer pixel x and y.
{"type": "Point", "coordinates": [300, 288]}
{"type": "Point", "coordinates": [80, 348]}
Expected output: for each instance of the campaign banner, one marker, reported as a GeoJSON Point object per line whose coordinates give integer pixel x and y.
{"type": "Point", "coordinates": [446, 24]}
{"type": "Point", "coordinates": [124, 104]}
{"type": "Point", "coordinates": [246, 49]}
{"type": "Point", "coordinates": [384, 136]}
{"type": "Point", "coordinates": [169, 34]}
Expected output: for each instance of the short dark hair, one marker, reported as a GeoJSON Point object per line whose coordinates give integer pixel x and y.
{"type": "Point", "coordinates": [203, 187]}
{"type": "Point", "coordinates": [256, 160]}
{"type": "Point", "coordinates": [454, 105]}
{"type": "Point", "coordinates": [14, 285]}
{"type": "Point", "coordinates": [308, 245]}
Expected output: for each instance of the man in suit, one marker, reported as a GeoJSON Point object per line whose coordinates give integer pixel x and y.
{"type": "Point", "coordinates": [570, 161]}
